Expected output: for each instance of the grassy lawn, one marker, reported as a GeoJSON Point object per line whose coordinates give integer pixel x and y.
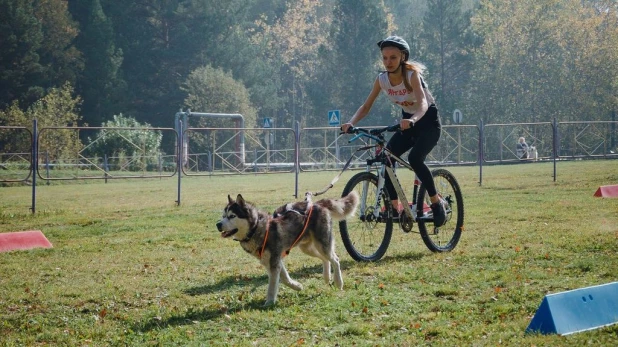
{"type": "Point", "coordinates": [129, 267]}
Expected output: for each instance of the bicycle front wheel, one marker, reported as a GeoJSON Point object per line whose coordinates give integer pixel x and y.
{"type": "Point", "coordinates": [365, 237]}
{"type": "Point", "coordinates": [446, 237]}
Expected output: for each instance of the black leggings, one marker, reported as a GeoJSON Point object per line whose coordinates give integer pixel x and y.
{"type": "Point", "coordinates": [421, 138]}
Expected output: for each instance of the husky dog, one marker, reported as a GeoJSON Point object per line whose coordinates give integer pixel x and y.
{"type": "Point", "coordinates": [269, 238]}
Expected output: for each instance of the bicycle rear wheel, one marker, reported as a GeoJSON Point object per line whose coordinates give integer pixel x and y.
{"type": "Point", "coordinates": [364, 237]}
{"type": "Point", "coordinates": [446, 237]}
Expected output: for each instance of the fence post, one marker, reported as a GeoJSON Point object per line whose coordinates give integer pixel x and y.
{"type": "Point", "coordinates": [47, 166]}
{"type": "Point", "coordinates": [268, 150]}
{"type": "Point", "coordinates": [160, 165]}
{"type": "Point", "coordinates": [34, 161]}
{"type": "Point", "coordinates": [337, 154]}
{"type": "Point", "coordinates": [501, 141]}
{"type": "Point", "coordinates": [458, 145]}
{"type": "Point", "coordinates": [555, 144]}
{"type": "Point", "coordinates": [255, 155]}
{"type": "Point", "coordinates": [296, 156]}
{"type": "Point", "coordinates": [211, 163]}
{"type": "Point", "coordinates": [613, 131]}
{"type": "Point", "coordinates": [179, 159]}
{"type": "Point", "coordinates": [105, 167]}
{"type": "Point", "coordinates": [481, 154]}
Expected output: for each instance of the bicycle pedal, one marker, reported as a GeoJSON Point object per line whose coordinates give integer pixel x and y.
{"type": "Point", "coordinates": [405, 223]}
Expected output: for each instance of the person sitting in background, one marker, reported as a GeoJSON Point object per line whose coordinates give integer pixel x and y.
{"type": "Point", "coordinates": [522, 148]}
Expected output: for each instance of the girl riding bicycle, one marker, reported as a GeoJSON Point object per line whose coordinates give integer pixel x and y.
{"type": "Point", "coordinates": [403, 84]}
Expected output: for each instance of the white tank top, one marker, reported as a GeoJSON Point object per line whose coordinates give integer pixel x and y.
{"type": "Point", "coordinates": [400, 95]}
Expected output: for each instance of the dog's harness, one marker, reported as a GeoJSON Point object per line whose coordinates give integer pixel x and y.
{"type": "Point", "coordinates": [310, 210]}
{"type": "Point", "coordinates": [304, 228]}
{"type": "Point", "coordinates": [310, 204]}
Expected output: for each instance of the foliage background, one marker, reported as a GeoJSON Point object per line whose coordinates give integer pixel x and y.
{"type": "Point", "coordinates": [293, 60]}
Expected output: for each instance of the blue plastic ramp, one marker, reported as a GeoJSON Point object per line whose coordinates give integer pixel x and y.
{"type": "Point", "coordinates": [576, 310]}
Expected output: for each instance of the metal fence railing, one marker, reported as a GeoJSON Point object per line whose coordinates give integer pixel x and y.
{"type": "Point", "coordinates": [26, 154]}
{"type": "Point", "coordinates": [128, 154]}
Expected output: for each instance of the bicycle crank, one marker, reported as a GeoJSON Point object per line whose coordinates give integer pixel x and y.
{"type": "Point", "coordinates": [405, 223]}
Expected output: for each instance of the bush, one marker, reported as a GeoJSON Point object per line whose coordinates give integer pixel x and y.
{"type": "Point", "coordinates": [56, 109]}
{"type": "Point", "coordinates": [127, 143]}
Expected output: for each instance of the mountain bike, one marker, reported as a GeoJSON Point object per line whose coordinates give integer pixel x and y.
{"type": "Point", "coordinates": [367, 236]}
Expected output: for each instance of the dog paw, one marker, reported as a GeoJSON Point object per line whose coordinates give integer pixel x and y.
{"type": "Point", "coordinates": [336, 285]}
{"type": "Point", "coordinates": [296, 286]}
{"type": "Point", "coordinates": [269, 303]}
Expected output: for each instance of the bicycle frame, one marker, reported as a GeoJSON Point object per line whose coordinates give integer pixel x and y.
{"type": "Point", "coordinates": [383, 170]}
{"type": "Point", "coordinates": [385, 156]}
{"type": "Point", "coordinates": [367, 238]}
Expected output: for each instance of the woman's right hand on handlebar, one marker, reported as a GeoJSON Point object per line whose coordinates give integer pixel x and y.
{"type": "Point", "coordinates": [346, 126]}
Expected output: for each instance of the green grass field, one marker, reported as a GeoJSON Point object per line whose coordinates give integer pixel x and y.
{"type": "Point", "coordinates": [129, 267]}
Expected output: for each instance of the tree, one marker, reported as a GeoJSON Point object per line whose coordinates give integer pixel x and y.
{"type": "Point", "coordinates": [158, 47]}
{"type": "Point", "coordinates": [296, 54]}
{"type": "Point", "coordinates": [215, 91]}
{"type": "Point", "coordinates": [20, 39]}
{"type": "Point", "coordinates": [58, 108]}
{"type": "Point", "coordinates": [163, 41]}
{"type": "Point", "coordinates": [101, 84]}
{"type": "Point", "coordinates": [13, 141]}
{"type": "Point", "coordinates": [349, 62]}
{"type": "Point", "coordinates": [543, 59]}
{"type": "Point", "coordinates": [444, 41]}
{"type": "Point", "coordinates": [225, 31]}
{"type": "Point", "coordinates": [407, 14]}
{"type": "Point", "coordinates": [61, 61]}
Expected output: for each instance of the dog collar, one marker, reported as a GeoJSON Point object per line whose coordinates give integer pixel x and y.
{"type": "Point", "coordinates": [251, 232]}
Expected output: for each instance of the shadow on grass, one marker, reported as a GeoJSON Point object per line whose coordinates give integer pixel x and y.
{"type": "Point", "coordinates": [192, 316]}
{"type": "Point", "coordinates": [232, 281]}
{"type": "Point", "coordinates": [228, 282]}
{"type": "Point", "coordinates": [223, 284]}
{"type": "Point", "coordinates": [195, 316]}
{"type": "Point", "coordinates": [405, 257]}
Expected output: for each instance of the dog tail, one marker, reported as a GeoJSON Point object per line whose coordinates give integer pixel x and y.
{"type": "Point", "coordinates": [342, 207]}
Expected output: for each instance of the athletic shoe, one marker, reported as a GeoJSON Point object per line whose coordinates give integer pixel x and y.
{"type": "Point", "coordinates": [439, 213]}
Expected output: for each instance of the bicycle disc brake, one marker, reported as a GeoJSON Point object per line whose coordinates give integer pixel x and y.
{"type": "Point", "coordinates": [368, 217]}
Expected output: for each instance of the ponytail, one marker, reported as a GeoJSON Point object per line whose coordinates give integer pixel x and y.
{"type": "Point", "coordinates": [410, 65]}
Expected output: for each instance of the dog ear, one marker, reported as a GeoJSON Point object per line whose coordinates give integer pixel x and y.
{"type": "Point", "coordinates": [240, 200]}
{"type": "Point", "coordinates": [229, 199]}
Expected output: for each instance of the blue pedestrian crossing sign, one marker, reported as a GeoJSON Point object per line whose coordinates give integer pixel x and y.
{"type": "Point", "coordinates": [268, 122]}
{"type": "Point", "coordinates": [334, 118]}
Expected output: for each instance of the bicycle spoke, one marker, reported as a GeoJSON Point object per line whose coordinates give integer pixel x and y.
{"type": "Point", "coordinates": [365, 237]}
{"type": "Point", "coordinates": [445, 237]}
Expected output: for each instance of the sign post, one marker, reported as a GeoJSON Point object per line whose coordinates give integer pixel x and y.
{"type": "Point", "coordinates": [334, 119]}
{"type": "Point", "coordinates": [268, 138]}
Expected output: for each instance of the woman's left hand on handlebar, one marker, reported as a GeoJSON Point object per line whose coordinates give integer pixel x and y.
{"type": "Point", "coordinates": [406, 124]}
{"type": "Point", "coordinates": [345, 127]}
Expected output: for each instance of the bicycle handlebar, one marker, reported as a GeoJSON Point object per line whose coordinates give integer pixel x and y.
{"type": "Point", "coordinates": [375, 134]}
